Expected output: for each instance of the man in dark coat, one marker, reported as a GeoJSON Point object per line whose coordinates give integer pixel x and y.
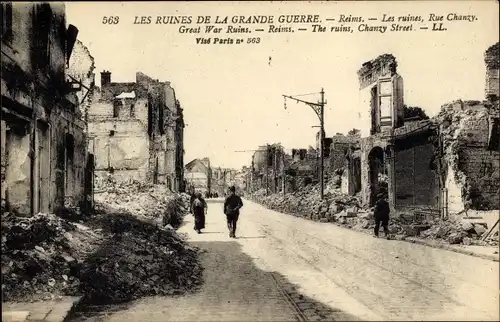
{"type": "Point", "coordinates": [381, 214]}
{"type": "Point", "coordinates": [232, 206]}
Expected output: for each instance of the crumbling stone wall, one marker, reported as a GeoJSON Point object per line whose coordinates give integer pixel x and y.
{"type": "Point", "coordinates": [121, 145]}
{"type": "Point", "coordinates": [341, 144]}
{"type": "Point", "coordinates": [492, 60]}
{"type": "Point", "coordinates": [80, 67]}
{"type": "Point", "coordinates": [133, 135]}
{"type": "Point", "coordinates": [377, 112]}
{"type": "Point", "coordinates": [472, 164]}
{"type": "Point", "coordinates": [416, 173]}
{"type": "Point", "coordinates": [34, 83]}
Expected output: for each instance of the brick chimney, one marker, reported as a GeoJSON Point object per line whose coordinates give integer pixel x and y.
{"type": "Point", "coordinates": [105, 78]}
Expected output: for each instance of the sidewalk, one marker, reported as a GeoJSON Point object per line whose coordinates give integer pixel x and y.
{"type": "Point", "coordinates": [485, 252]}
{"type": "Point", "coordinates": [49, 311]}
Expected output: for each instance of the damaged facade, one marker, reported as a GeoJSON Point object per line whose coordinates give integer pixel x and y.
{"type": "Point", "coordinates": [136, 132]}
{"type": "Point", "coordinates": [44, 147]}
{"type": "Point", "coordinates": [198, 174]}
{"type": "Point", "coordinates": [444, 165]}
{"type": "Point", "coordinates": [222, 179]}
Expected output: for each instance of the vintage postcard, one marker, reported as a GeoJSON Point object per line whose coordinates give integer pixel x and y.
{"type": "Point", "coordinates": [250, 161]}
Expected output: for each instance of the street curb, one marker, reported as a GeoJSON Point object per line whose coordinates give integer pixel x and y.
{"type": "Point", "coordinates": [419, 241]}
{"type": "Point", "coordinates": [413, 240]}
{"type": "Point", "coordinates": [71, 311]}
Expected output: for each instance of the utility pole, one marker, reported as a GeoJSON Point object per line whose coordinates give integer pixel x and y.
{"type": "Point", "coordinates": [319, 109]}
{"type": "Point", "coordinates": [267, 169]}
{"type": "Point", "coordinates": [275, 170]}
{"type": "Point", "coordinates": [251, 174]}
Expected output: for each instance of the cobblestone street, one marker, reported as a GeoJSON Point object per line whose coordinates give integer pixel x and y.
{"type": "Point", "coordinates": [287, 268]}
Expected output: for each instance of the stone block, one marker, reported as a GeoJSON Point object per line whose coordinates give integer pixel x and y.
{"type": "Point", "coordinates": [479, 229]}
{"type": "Point", "coordinates": [467, 226]}
{"type": "Point", "coordinates": [366, 215]}
{"type": "Point", "coordinates": [455, 238]}
{"type": "Point", "coordinates": [410, 230]}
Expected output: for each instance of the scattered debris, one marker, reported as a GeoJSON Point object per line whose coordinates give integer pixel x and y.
{"type": "Point", "coordinates": [41, 256]}
{"type": "Point", "coordinates": [109, 257]}
{"type": "Point", "coordinates": [143, 201]}
{"type": "Point", "coordinates": [346, 211]}
{"type": "Point", "coordinates": [139, 259]}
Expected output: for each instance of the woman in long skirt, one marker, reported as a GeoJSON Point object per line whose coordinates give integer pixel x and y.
{"type": "Point", "coordinates": [199, 206]}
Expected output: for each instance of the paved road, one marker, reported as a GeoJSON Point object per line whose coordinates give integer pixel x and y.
{"type": "Point", "coordinates": [287, 268]}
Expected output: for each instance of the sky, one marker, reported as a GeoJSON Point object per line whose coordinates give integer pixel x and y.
{"type": "Point", "coordinates": [232, 94]}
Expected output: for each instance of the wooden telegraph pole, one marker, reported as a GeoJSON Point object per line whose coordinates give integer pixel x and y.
{"type": "Point", "coordinates": [319, 109]}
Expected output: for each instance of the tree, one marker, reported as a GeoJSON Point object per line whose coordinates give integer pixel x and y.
{"type": "Point", "coordinates": [414, 111]}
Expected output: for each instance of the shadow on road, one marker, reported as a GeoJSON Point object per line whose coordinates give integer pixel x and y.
{"type": "Point", "coordinates": [234, 289]}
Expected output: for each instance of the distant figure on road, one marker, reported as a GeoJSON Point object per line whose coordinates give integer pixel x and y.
{"type": "Point", "coordinates": [193, 197]}
{"type": "Point", "coordinates": [232, 206]}
{"type": "Point", "coordinates": [199, 207]}
{"type": "Point", "coordinates": [381, 214]}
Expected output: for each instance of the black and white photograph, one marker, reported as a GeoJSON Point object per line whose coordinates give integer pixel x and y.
{"type": "Point", "coordinates": [250, 161]}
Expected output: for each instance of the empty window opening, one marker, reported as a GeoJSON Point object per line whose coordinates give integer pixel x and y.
{"type": "Point", "coordinates": [374, 110]}
{"type": "Point", "coordinates": [42, 24]}
{"type": "Point", "coordinates": [378, 171]}
{"type": "Point", "coordinates": [494, 137]}
{"type": "Point", "coordinates": [132, 110]}
{"type": "Point", "coordinates": [7, 21]}
{"type": "Point", "coordinates": [117, 104]}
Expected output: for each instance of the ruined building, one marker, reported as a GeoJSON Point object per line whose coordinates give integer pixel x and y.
{"type": "Point", "coordinates": [492, 74]}
{"type": "Point", "coordinates": [136, 132]}
{"type": "Point", "coordinates": [439, 166]}
{"type": "Point", "coordinates": [198, 174]}
{"type": "Point", "coordinates": [44, 157]}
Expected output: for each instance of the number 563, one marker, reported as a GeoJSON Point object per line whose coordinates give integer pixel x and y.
{"type": "Point", "coordinates": [113, 20]}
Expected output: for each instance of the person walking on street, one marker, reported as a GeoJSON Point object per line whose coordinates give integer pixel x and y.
{"type": "Point", "coordinates": [232, 206]}
{"type": "Point", "coordinates": [199, 207]}
{"type": "Point", "coordinates": [191, 200]}
{"type": "Point", "coordinates": [381, 214]}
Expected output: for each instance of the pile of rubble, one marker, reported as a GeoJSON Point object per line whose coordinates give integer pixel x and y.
{"type": "Point", "coordinates": [143, 201]}
{"type": "Point", "coordinates": [307, 203]}
{"type": "Point", "coordinates": [139, 259]}
{"type": "Point", "coordinates": [346, 211]}
{"type": "Point", "coordinates": [126, 250]}
{"type": "Point", "coordinates": [41, 256]}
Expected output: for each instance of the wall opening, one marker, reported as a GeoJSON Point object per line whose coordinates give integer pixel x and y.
{"type": "Point", "coordinates": [374, 110]}
{"type": "Point", "coordinates": [69, 153]}
{"type": "Point", "coordinates": [43, 169]}
{"type": "Point", "coordinates": [132, 110]}
{"type": "Point", "coordinates": [17, 168]}
{"type": "Point", "coordinates": [117, 104]}
{"type": "Point", "coordinates": [416, 182]}
{"type": "Point", "coordinates": [357, 174]}
{"type": "Point", "coordinates": [494, 136]}
{"type": "Point", "coordinates": [155, 172]}
{"type": "Point", "coordinates": [161, 121]}
{"type": "Point", "coordinates": [377, 171]}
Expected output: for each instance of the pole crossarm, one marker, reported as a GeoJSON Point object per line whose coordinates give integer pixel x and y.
{"type": "Point", "coordinates": [319, 109]}
{"type": "Point", "coordinates": [315, 106]}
